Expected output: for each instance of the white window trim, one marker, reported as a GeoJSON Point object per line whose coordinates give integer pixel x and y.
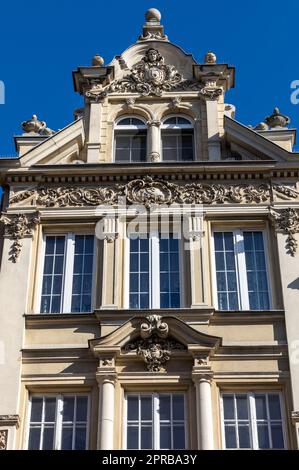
{"type": "Point", "coordinates": [154, 270]}
{"type": "Point", "coordinates": [177, 126]}
{"type": "Point", "coordinates": [58, 417]}
{"type": "Point", "coordinates": [240, 263]}
{"type": "Point", "coordinates": [156, 419]}
{"type": "Point", "coordinates": [68, 268]}
{"type": "Point", "coordinates": [252, 416]}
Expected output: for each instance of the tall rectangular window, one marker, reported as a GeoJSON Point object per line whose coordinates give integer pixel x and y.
{"type": "Point", "coordinates": [58, 422]}
{"type": "Point", "coordinates": [67, 273]}
{"type": "Point", "coordinates": [241, 272]}
{"type": "Point", "coordinates": [154, 272]}
{"type": "Point", "coordinates": [155, 421]}
{"type": "Point", "coordinates": [252, 421]}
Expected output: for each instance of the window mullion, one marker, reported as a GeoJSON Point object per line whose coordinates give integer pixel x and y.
{"type": "Point", "coordinates": [253, 422]}
{"type": "Point", "coordinates": [68, 273]}
{"type": "Point", "coordinates": [242, 272]}
{"type": "Point", "coordinates": [58, 425]}
{"type": "Point", "coordinates": [42, 425]}
{"type": "Point", "coordinates": [156, 422]}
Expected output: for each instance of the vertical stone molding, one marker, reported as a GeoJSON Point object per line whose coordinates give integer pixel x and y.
{"type": "Point", "coordinates": [11, 422]}
{"type": "Point", "coordinates": [106, 377]}
{"type": "Point", "coordinates": [3, 439]}
{"type": "Point", "coordinates": [195, 235]}
{"type": "Point", "coordinates": [17, 227]}
{"type": "Point", "coordinates": [154, 146]}
{"type": "Point", "coordinates": [202, 376]}
{"type": "Point", "coordinates": [94, 131]}
{"type": "Point", "coordinates": [111, 253]}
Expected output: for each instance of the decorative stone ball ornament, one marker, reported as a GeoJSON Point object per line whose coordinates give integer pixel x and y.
{"type": "Point", "coordinates": [210, 58]}
{"type": "Point", "coordinates": [97, 60]}
{"type": "Point", "coordinates": [153, 15]}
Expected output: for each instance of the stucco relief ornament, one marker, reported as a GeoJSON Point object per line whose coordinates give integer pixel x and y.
{"type": "Point", "coordinates": [3, 439]}
{"type": "Point", "coordinates": [151, 76]}
{"type": "Point", "coordinates": [148, 192]}
{"type": "Point", "coordinates": [154, 346]}
{"type": "Point", "coordinates": [287, 221]}
{"type": "Point", "coordinates": [18, 226]}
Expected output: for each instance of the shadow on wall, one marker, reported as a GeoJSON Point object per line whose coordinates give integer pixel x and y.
{"type": "Point", "coordinates": [294, 284]}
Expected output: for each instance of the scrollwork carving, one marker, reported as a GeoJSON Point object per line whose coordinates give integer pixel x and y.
{"type": "Point", "coordinates": [150, 191]}
{"type": "Point", "coordinates": [3, 439]}
{"type": "Point", "coordinates": [18, 226]}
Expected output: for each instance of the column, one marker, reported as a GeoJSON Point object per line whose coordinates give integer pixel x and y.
{"type": "Point", "coordinates": [154, 145]}
{"type": "Point", "coordinates": [202, 376]}
{"type": "Point", "coordinates": [106, 412]}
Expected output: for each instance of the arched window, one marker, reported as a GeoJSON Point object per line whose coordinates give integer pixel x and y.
{"type": "Point", "coordinates": [130, 140]}
{"type": "Point", "coordinates": [177, 139]}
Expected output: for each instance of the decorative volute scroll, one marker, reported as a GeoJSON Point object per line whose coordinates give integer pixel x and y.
{"type": "Point", "coordinates": [18, 226]}
{"type": "Point", "coordinates": [154, 344]}
{"type": "Point", "coordinates": [287, 222]}
{"type": "Point", "coordinates": [150, 191]}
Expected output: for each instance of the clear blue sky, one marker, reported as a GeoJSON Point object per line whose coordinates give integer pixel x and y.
{"type": "Point", "coordinates": [42, 42]}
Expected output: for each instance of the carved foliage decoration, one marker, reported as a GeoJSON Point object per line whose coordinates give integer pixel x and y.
{"type": "Point", "coordinates": [18, 226]}
{"type": "Point", "coordinates": [149, 191]}
{"type": "Point", "coordinates": [3, 439]}
{"type": "Point", "coordinates": [150, 76]}
{"type": "Point", "coordinates": [154, 344]}
{"type": "Point", "coordinates": [287, 221]}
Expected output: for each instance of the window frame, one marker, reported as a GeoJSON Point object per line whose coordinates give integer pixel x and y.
{"type": "Point", "coordinates": [58, 416]}
{"type": "Point", "coordinates": [68, 271]}
{"type": "Point", "coordinates": [155, 421]}
{"type": "Point", "coordinates": [128, 128]}
{"type": "Point", "coordinates": [154, 274]}
{"type": "Point", "coordinates": [253, 435]}
{"type": "Point", "coordinates": [178, 127]}
{"type": "Point", "coordinates": [240, 263]}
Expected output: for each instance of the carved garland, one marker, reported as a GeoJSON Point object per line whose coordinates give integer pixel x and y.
{"type": "Point", "coordinates": [18, 226]}
{"type": "Point", "coordinates": [287, 221]}
{"type": "Point", "coordinates": [3, 439]}
{"type": "Point", "coordinates": [154, 346]}
{"type": "Point", "coordinates": [149, 191]}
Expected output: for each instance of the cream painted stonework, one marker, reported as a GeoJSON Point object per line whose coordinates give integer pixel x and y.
{"type": "Point", "coordinates": [70, 182]}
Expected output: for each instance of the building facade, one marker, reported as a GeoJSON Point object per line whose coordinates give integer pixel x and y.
{"type": "Point", "coordinates": [149, 265]}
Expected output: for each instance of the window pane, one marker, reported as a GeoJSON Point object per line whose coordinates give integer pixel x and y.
{"type": "Point", "coordinates": [48, 438]}
{"type": "Point", "coordinates": [244, 437]}
{"type": "Point", "coordinates": [139, 273]}
{"type": "Point", "coordinates": [277, 436]}
{"type": "Point", "coordinates": [230, 437]}
{"type": "Point", "coordinates": [81, 409]}
{"type": "Point", "coordinates": [34, 439]}
{"type": "Point", "coordinates": [261, 407]}
{"type": "Point", "coordinates": [146, 408]}
{"type": "Point", "coordinates": [164, 408]}
{"type": "Point", "coordinates": [178, 437]}
{"type": "Point", "coordinates": [133, 405]}
{"type": "Point", "coordinates": [226, 275]}
{"type": "Point", "coordinates": [50, 409]}
{"type": "Point", "coordinates": [80, 439]}
{"type": "Point", "coordinates": [165, 437]}
{"type": "Point", "coordinates": [274, 407]}
{"type": "Point", "coordinates": [228, 405]}
{"type": "Point", "coordinates": [68, 409]}
{"type": "Point", "coordinates": [67, 438]}
{"type": "Point", "coordinates": [132, 437]}
{"type": "Point", "coordinates": [178, 407]}
{"type": "Point", "coordinates": [146, 437]}
{"type": "Point", "coordinates": [36, 410]}
{"type": "Point", "coordinates": [242, 408]}
{"type": "Point", "coordinates": [263, 436]}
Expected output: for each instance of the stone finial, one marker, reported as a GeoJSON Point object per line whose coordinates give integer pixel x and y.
{"type": "Point", "coordinates": [153, 15]}
{"type": "Point", "coordinates": [152, 29]}
{"type": "Point", "coordinates": [97, 60]}
{"type": "Point", "coordinates": [35, 126]}
{"type": "Point", "coordinates": [210, 58]}
{"type": "Point", "coordinates": [277, 120]}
